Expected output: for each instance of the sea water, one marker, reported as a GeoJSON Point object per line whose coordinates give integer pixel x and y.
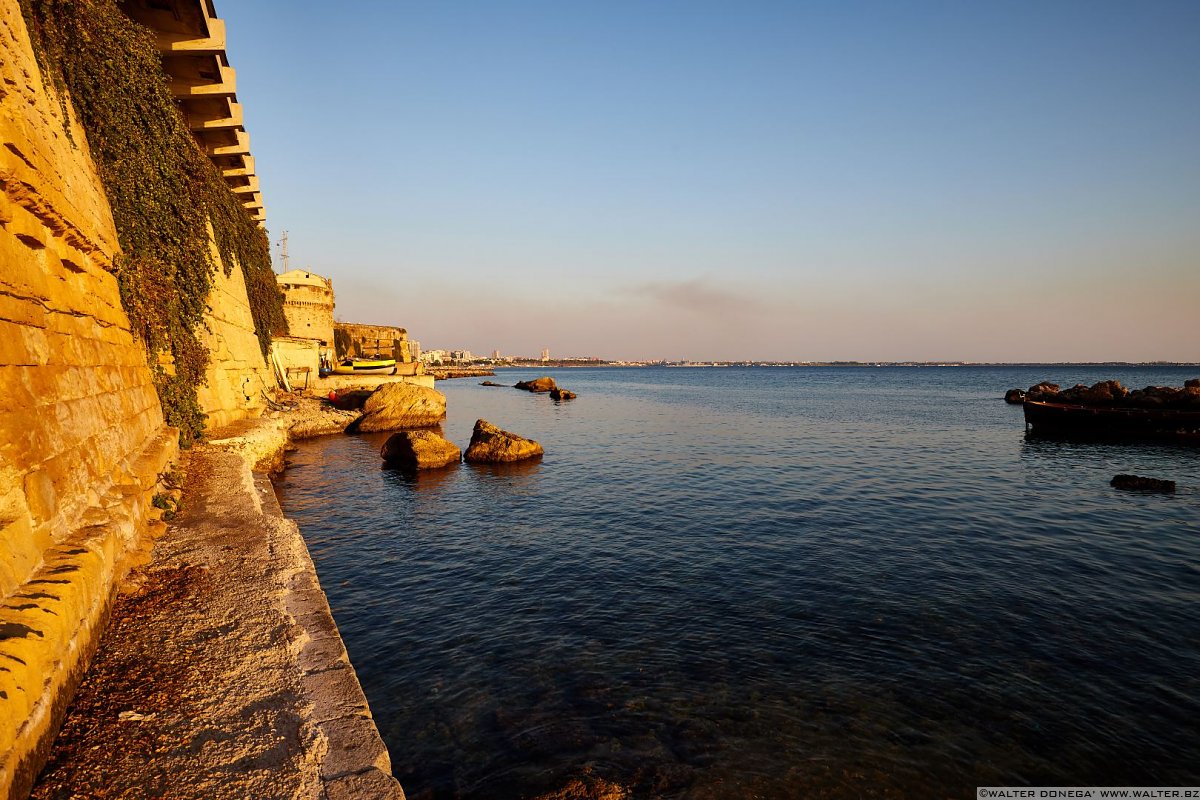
{"type": "Point", "coordinates": [768, 582]}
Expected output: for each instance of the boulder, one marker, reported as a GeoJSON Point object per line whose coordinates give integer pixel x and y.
{"type": "Point", "coordinates": [1043, 391]}
{"type": "Point", "coordinates": [562, 394]}
{"type": "Point", "coordinates": [491, 383]}
{"type": "Point", "coordinates": [1104, 393]}
{"type": "Point", "coordinates": [1194, 383]}
{"type": "Point", "coordinates": [491, 445]}
{"type": "Point", "coordinates": [400, 405]}
{"type": "Point", "coordinates": [537, 385]}
{"type": "Point", "coordinates": [1014, 396]}
{"type": "Point", "coordinates": [1138, 483]}
{"type": "Point", "coordinates": [419, 450]}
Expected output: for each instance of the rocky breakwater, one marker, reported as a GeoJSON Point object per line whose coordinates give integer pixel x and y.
{"type": "Point", "coordinates": [492, 445]}
{"type": "Point", "coordinates": [1107, 410]}
{"type": "Point", "coordinates": [1112, 394]}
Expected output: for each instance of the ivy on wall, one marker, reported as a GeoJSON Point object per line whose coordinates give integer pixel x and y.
{"type": "Point", "coordinates": [163, 190]}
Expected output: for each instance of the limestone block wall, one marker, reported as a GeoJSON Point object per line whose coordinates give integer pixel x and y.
{"type": "Point", "coordinates": [308, 305]}
{"type": "Point", "coordinates": [376, 340]}
{"type": "Point", "coordinates": [82, 438]}
{"type": "Point", "coordinates": [237, 374]}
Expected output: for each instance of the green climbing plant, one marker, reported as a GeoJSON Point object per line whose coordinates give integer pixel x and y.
{"type": "Point", "coordinates": [164, 193]}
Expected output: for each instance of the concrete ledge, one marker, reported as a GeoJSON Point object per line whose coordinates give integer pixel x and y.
{"type": "Point", "coordinates": [223, 674]}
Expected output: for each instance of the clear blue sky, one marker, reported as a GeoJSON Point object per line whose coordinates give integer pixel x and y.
{"type": "Point", "coordinates": [941, 180]}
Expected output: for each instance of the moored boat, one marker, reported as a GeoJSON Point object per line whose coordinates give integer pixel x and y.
{"type": "Point", "coordinates": [1076, 421]}
{"type": "Point", "coordinates": [365, 366]}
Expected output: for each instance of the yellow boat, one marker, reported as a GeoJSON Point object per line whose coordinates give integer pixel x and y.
{"type": "Point", "coordinates": [365, 366]}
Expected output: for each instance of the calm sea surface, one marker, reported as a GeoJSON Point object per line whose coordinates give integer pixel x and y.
{"type": "Point", "coordinates": [768, 582]}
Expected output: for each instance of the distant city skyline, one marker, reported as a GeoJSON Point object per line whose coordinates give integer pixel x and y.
{"type": "Point", "coordinates": [1012, 181]}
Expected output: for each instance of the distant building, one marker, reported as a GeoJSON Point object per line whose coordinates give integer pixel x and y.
{"type": "Point", "coordinates": [545, 354]}
{"type": "Point", "coordinates": [496, 355]}
{"type": "Point", "coordinates": [435, 356]}
{"type": "Point", "coordinates": [414, 347]}
{"type": "Point", "coordinates": [308, 305]}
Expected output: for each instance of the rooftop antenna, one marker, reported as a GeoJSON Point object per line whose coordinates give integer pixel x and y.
{"type": "Point", "coordinates": [283, 253]}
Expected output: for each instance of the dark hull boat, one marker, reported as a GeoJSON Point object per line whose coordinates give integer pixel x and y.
{"type": "Point", "coordinates": [1070, 421]}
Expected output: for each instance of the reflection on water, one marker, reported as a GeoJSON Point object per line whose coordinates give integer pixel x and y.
{"type": "Point", "coordinates": [767, 583]}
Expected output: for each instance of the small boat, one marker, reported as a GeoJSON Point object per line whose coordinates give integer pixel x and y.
{"type": "Point", "coordinates": [1050, 420]}
{"type": "Point", "coordinates": [365, 366]}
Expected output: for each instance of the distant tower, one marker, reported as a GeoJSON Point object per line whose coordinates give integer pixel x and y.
{"type": "Point", "coordinates": [545, 354]}
{"type": "Point", "coordinates": [283, 253]}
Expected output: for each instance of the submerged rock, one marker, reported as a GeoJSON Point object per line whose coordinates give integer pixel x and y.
{"type": "Point", "coordinates": [400, 405]}
{"type": "Point", "coordinates": [491, 445]}
{"type": "Point", "coordinates": [490, 383]}
{"type": "Point", "coordinates": [1142, 484]}
{"type": "Point", "coordinates": [1014, 396]}
{"type": "Point", "coordinates": [538, 385]}
{"type": "Point", "coordinates": [562, 394]}
{"type": "Point", "coordinates": [419, 450]}
{"type": "Point", "coordinates": [587, 787]}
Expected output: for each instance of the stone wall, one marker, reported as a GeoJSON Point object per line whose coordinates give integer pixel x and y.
{"type": "Point", "coordinates": [308, 305]}
{"type": "Point", "coordinates": [237, 374]}
{"type": "Point", "coordinates": [375, 340]}
{"type": "Point", "coordinates": [82, 439]}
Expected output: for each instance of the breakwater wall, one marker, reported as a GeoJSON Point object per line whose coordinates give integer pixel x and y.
{"type": "Point", "coordinates": [85, 453]}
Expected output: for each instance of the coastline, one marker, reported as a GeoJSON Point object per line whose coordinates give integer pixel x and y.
{"type": "Point", "coordinates": [223, 672]}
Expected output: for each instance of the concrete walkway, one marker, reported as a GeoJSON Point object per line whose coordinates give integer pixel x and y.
{"type": "Point", "coordinates": [222, 674]}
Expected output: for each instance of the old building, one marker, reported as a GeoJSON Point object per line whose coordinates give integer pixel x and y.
{"type": "Point", "coordinates": [308, 305]}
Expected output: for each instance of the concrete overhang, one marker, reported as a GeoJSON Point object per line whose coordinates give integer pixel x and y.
{"type": "Point", "coordinates": [213, 114]}
{"type": "Point", "coordinates": [192, 41]}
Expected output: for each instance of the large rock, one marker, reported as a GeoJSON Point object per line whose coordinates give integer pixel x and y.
{"type": "Point", "coordinates": [562, 394]}
{"type": "Point", "coordinates": [1014, 396]}
{"type": "Point", "coordinates": [491, 445]}
{"type": "Point", "coordinates": [1042, 391]}
{"type": "Point", "coordinates": [419, 450]}
{"type": "Point", "coordinates": [400, 405]}
{"type": "Point", "coordinates": [539, 385]}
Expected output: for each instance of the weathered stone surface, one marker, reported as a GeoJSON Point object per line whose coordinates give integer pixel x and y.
{"type": "Point", "coordinates": [315, 417]}
{"type": "Point", "coordinates": [1194, 383]}
{"type": "Point", "coordinates": [1014, 397]}
{"type": "Point", "coordinates": [558, 393]}
{"type": "Point", "coordinates": [419, 450]}
{"type": "Point", "coordinates": [538, 385]}
{"type": "Point", "coordinates": [82, 439]}
{"type": "Point", "coordinates": [249, 692]}
{"type": "Point", "coordinates": [1138, 483]}
{"type": "Point", "coordinates": [401, 405]}
{"type": "Point", "coordinates": [490, 444]}
{"type": "Point", "coordinates": [1042, 391]}
{"type": "Point", "coordinates": [237, 375]}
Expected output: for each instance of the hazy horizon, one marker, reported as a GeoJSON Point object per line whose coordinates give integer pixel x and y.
{"type": "Point", "coordinates": [998, 182]}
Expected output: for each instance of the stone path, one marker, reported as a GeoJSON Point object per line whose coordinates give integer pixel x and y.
{"type": "Point", "coordinates": [222, 674]}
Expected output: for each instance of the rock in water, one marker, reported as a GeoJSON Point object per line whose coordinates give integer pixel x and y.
{"type": "Point", "coordinates": [539, 385]}
{"type": "Point", "coordinates": [562, 394]}
{"type": "Point", "coordinates": [491, 445]}
{"type": "Point", "coordinates": [1142, 484]}
{"type": "Point", "coordinates": [490, 383]}
{"type": "Point", "coordinates": [419, 450]}
{"type": "Point", "coordinates": [1014, 396]}
{"type": "Point", "coordinates": [1043, 391]}
{"type": "Point", "coordinates": [400, 405]}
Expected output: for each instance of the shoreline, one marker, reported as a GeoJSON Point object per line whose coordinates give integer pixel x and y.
{"type": "Point", "coordinates": [222, 673]}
